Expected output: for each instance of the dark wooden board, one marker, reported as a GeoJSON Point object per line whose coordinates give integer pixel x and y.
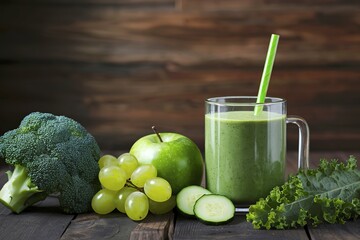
{"type": "Point", "coordinates": [3, 176]}
{"type": "Point", "coordinates": [44, 221]}
{"type": "Point", "coordinates": [120, 67]}
{"type": "Point", "coordinates": [240, 229]}
{"type": "Point", "coordinates": [119, 226]}
{"type": "Point", "coordinates": [120, 104]}
{"type": "Point", "coordinates": [121, 3]}
{"type": "Point", "coordinates": [187, 229]}
{"type": "Point", "coordinates": [235, 5]}
{"type": "Point", "coordinates": [342, 156]}
{"type": "Point", "coordinates": [93, 226]}
{"type": "Point", "coordinates": [154, 227]}
{"type": "Point", "coordinates": [119, 72]}
{"type": "Point", "coordinates": [116, 35]}
{"type": "Point", "coordinates": [30, 224]}
{"type": "Point", "coordinates": [348, 231]}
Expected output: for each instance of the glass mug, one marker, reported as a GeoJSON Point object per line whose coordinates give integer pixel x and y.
{"type": "Point", "coordinates": [245, 153]}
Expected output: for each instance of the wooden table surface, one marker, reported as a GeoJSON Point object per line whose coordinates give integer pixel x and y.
{"type": "Point", "coordinates": [45, 221]}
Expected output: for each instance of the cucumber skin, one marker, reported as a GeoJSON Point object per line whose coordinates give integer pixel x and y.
{"type": "Point", "coordinates": [209, 222]}
{"type": "Point", "coordinates": [184, 213]}
{"type": "Point", "coordinates": [192, 216]}
{"type": "Point", "coordinates": [214, 223]}
{"type": "Point", "coordinates": [178, 210]}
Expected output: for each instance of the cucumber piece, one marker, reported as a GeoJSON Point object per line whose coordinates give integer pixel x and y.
{"type": "Point", "coordinates": [186, 198]}
{"type": "Point", "coordinates": [214, 209]}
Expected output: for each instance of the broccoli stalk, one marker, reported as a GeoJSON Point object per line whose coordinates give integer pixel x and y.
{"type": "Point", "coordinates": [51, 155]}
{"type": "Point", "coordinates": [19, 192]}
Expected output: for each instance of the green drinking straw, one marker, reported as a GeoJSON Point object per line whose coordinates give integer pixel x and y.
{"type": "Point", "coordinates": [265, 78]}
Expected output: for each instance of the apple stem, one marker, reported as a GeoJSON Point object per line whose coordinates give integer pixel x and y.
{"type": "Point", "coordinates": [154, 129]}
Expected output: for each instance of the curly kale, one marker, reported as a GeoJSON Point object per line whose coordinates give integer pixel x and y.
{"type": "Point", "coordinates": [51, 155]}
{"type": "Point", "coordinates": [330, 194]}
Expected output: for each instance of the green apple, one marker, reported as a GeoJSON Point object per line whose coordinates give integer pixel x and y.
{"type": "Point", "coordinates": [176, 158]}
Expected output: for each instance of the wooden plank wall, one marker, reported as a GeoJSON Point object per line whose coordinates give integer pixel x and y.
{"type": "Point", "coordinates": [121, 66]}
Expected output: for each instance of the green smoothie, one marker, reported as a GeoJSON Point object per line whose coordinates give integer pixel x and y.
{"type": "Point", "coordinates": [244, 154]}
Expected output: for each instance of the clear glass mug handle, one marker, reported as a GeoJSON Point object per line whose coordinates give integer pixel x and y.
{"type": "Point", "coordinates": [304, 133]}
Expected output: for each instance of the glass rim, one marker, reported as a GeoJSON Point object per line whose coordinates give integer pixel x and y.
{"type": "Point", "coordinates": [215, 101]}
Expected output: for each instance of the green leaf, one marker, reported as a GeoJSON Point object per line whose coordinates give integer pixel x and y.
{"type": "Point", "coordinates": [330, 194]}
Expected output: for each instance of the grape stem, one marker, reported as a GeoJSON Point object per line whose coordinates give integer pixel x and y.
{"type": "Point", "coordinates": [130, 184]}
{"type": "Point", "coordinates": [154, 130]}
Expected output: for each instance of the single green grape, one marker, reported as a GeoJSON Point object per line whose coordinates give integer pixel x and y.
{"type": "Point", "coordinates": [103, 201]}
{"type": "Point", "coordinates": [143, 173]}
{"type": "Point", "coordinates": [137, 206]}
{"type": "Point", "coordinates": [162, 207]}
{"type": "Point", "coordinates": [107, 160]}
{"type": "Point", "coordinates": [112, 178]}
{"type": "Point", "coordinates": [128, 162]}
{"type": "Point", "coordinates": [121, 198]}
{"type": "Point", "coordinates": [157, 189]}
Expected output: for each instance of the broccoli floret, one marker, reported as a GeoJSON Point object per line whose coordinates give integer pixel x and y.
{"type": "Point", "coordinates": [51, 155]}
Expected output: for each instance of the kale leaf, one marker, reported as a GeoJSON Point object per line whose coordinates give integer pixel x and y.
{"type": "Point", "coordinates": [330, 194]}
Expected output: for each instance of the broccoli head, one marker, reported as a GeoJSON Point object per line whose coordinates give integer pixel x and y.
{"type": "Point", "coordinates": [51, 155]}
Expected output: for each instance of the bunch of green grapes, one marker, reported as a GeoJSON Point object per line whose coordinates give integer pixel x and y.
{"type": "Point", "coordinates": [131, 188]}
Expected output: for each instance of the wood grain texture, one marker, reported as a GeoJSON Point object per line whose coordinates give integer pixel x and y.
{"type": "Point", "coordinates": [117, 35]}
{"type": "Point", "coordinates": [348, 231]}
{"type": "Point", "coordinates": [94, 226]}
{"type": "Point", "coordinates": [119, 105]}
{"type": "Point", "coordinates": [32, 222]}
{"type": "Point", "coordinates": [235, 5]}
{"type": "Point", "coordinates": [45, 221]}
{"type": "Point", "coordinates": [154, 227]}
{"type": "Point", "coordinates": [119, 69]}
{"type": "Point", "coordinates": [122, 3]}
{"type": "Point", "coordinates": [187, 229]}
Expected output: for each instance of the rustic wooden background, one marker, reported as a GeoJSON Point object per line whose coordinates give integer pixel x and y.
{"type": "Point", "coordinates": [121, 66]}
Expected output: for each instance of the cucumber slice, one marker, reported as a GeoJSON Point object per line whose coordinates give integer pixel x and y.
{"type": "Point", "coordinates": [214, 209]}
{"type": "Point", "coordinates": [186, 198]}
